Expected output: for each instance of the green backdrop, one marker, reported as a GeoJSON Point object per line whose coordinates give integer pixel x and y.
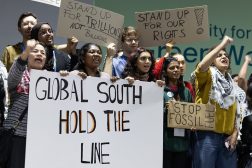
{"type": "Point", "coordinates": [229, 17]}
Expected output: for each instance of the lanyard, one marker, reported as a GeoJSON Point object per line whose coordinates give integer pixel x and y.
{"type": "Point", "coordinates": [54, 62]}
{"type": "Point", "coordinates": [22, 47]}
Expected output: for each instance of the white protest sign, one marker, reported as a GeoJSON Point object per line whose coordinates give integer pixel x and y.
{"type": "Point", "coordinates": [181, 25]}
{"type": "Point", "coordinates": [191, 115]}
{"type": "Point", "coordinates": [89, 23]}
{"type": "Point", "coordinates": [93, 123]}
{"type": "Point", "coordinates": [49, 2]}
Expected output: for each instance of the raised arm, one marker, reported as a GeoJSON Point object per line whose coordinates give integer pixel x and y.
{"type": "Point", "coordinates": [210, 57]}
{"type": "Point", "coordinates": [157, 71]}
{"type": "Point", "coordinates": [18, 67]}
{"type": "Point", "coordinates": [70, 47]}
{"type": "Point", "coordinates": [111, 51]}
{"type": "Point", "coordinates": [243, 72]}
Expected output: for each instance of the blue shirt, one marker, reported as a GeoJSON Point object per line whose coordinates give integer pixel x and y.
{"type": "Point", "coordinates": [118, 65]}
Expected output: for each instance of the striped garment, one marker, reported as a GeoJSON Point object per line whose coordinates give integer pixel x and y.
{"type": "Point", "coordinates": [18, 101]}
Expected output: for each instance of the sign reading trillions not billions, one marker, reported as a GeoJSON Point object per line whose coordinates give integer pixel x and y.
{"type": "Point", "coordinates": [93, 123]}
{"type": "Point", "coordinates": [89, 23]}
{"type": "Point", "coordinates": [181, 25]}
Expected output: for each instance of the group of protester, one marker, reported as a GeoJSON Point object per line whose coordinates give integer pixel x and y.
{"type": "Point", "coordinates": [211, 83]}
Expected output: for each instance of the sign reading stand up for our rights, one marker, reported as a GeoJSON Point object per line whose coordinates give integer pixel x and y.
{"type": "Point", "coordinates": [181, 25]}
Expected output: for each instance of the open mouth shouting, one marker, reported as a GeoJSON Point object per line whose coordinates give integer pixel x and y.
{"type": "Point", "coordinates": [224, 61]}
{"type": "Point", "coordinates": [38, 60]}
{"type": "Point", "coordinates": [96, 60]}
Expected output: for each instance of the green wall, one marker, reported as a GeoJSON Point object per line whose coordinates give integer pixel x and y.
{"type": "Point", "coordinates": [229, 17]}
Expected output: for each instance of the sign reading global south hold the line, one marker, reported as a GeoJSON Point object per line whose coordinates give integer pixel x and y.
{"type": "Point", "coordinates": [93, 123]}
{"type": "Point", "coordinates": [89, 23]}
{"type": "Point", "coordinates": [182, 25]}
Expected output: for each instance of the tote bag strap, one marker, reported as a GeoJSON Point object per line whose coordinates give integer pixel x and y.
{"type": "Point", "coordinates": [20, 118]}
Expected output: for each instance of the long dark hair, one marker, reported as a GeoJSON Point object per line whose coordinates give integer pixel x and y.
{"type": "Point", "coordinates": [165, 77]}
{"type": "Point", "coordinates": [82, 54]}
{"type": "Point", "coordinates": [166, 63]}
{"type": "Point", "coordinates": [131, 68]}
{"type": "Point", "coordinates": [249, 92]}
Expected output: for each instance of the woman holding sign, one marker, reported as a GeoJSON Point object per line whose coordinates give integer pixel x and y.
{"type": "Point", "coordinates": [89, 62]}
{"type": "Point", "coordinates": [176, 141]}
{"type": "Point", "coordinates": [140, 66]}
{"type": "Point", "coordinates": [215, 86]}
{"type": "Point", "coordinates": [33, 57]}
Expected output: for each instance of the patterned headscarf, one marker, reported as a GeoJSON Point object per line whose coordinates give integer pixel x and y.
{"type": "Point", "coordinates": [222, 88]}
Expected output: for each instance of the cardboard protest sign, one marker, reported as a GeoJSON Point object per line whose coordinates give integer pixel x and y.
{"type": "Point", "coordinates": [50, 2]}
{"type": "Point", "coordinates": [191, 115]}
{"type": "Point", "coordinates": [89, 23]}
{"type": "Point", "coordinates": [93, 123]}
{"type": "Point", "coordinates": [181, 25]}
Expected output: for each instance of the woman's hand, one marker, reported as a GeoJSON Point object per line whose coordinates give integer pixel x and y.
{"type": "Point", "coordinates": [72, 43]}
{"type": "Point", "coordinates": [63, 73]}
{"type": "Point", "coordinates": [227, 40]}
{"type": "Point", "coordinates": [83, 75]}
{"type": "Point", "coordinates": [130, 79]}
{"type": "Point", "coordinates": [169, 103]}
{"type": "Point", "coordinates": [247, 58]}
{"type": "Point", "coordinates": [231, 141]}
{"type": "Point", "coordinates": [30, 44]}
{"type": "Point", "coordinates": [169, 45]}
{"type": "Point", "coordinates": [113, 79]}
{"type": "Point", "coordinates": [111, 50]}
{"type": "Point", "coordinates": [160, 83]}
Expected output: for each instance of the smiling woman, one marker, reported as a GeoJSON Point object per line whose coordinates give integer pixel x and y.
{"type": "Point", "coordinates": [89, 62]}
{"type": "Point", "coordinates": [56, 60]}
